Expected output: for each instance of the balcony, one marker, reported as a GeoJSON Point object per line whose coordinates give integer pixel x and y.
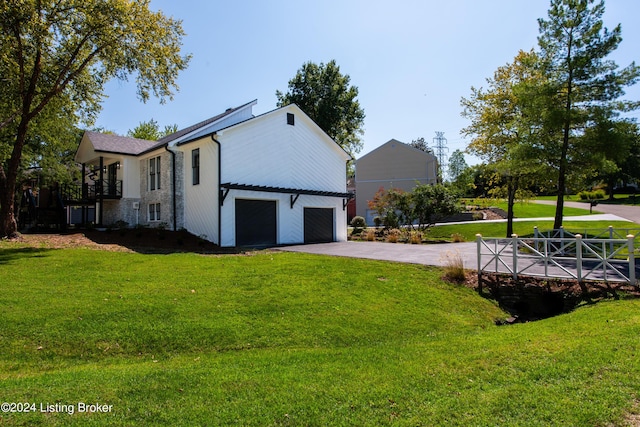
{"type": "Point", "coordinates": [91, 192]}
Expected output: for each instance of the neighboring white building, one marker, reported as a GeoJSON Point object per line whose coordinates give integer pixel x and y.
{"type": "Point", "coordinates": [235, 179]}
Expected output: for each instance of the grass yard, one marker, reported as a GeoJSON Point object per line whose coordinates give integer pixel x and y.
{"type": "Point", "coordinates": [535, 210]}
{"type": "Point", "coordinates": [521, 228]}
{"type": "Point", "coordinates": [292, 339]}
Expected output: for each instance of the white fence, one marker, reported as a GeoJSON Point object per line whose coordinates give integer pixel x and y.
{"type": "Point", "coordinates": [589, 233]}
{"type": "Point", "coordinates": [559, 257]}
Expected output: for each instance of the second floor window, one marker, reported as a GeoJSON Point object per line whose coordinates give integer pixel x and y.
{"type": "Point", "coordinates": [195, 166]}
{"type": "Point", "coordinates": [154, 173]}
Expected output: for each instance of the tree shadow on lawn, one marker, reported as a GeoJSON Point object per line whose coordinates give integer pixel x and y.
{"type": "Point", "coordinates": [139, 240]}
{"type": "Point", "coordinates": [156, 241]}
{"type": "Point", "coordinates": [11, 254]}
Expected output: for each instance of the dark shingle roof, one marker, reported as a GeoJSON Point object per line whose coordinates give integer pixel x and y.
{"type": "Point", "coordinates": [110, 143]}
{"type": "Point", "coordinates": [203, 123]}
{"type": "Point", "coordinates": [119, 144]}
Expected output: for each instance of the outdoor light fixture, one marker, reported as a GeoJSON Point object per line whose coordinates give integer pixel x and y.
{"type": "Point", "coordinates": [117, 165]}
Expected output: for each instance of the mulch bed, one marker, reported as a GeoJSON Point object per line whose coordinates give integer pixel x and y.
{"type": "Point", "coordinates": [141, 240]}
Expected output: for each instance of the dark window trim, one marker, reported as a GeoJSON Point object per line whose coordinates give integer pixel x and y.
{"type": "Point", "coordinates": [195, 166]}
{"type": "Point", "coordinates": [154, 173]}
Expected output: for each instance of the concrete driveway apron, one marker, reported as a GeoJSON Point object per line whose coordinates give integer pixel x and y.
{"type": "Point", "coordinates": [434, 254]}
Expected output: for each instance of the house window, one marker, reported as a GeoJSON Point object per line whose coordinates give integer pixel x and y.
{"type": "Point", "coordinates": [195, 166]}
{"type": "Point", "coordinates": [291, 119]}
{"type": "Point", "coordinates": [154, 173]}
{"type": "Point", "coordinates": [154, 212]}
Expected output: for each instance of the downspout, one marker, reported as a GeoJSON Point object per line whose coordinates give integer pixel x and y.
{"type": "Point", "coordinates": [173, 181]}
{"type": "Point", "coordinates": [213, 138]}
{"type": "Point", "coordinates": [101, 187]}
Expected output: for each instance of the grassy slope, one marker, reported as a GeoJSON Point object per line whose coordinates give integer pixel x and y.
{"type": "Point", "coordinates": [290, 339]}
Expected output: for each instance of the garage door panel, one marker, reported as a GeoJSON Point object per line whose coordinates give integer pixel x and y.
{"type": "Point", "coordinates": [256, 222]}
{"type": "Point", "coordinates": [318, 225]}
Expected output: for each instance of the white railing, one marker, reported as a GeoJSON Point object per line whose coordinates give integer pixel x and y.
{"type": "Point", "coordinates": [559, 257]}
{"type": "Point", "coordinates": [589, 233]}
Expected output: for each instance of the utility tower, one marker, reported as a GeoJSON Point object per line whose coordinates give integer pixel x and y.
{"type": "Point", "coordinates": [440, 147]}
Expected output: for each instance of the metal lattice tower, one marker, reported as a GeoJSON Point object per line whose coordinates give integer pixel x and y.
{"type": "Point", "coordinates": [440, 147]}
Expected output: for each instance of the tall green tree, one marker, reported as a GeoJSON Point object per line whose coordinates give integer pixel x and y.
{"type": "Point", "coordinates": [431, 203]}
{"type": "Point", "coordinates": [505, 127]}
{"type": "Point", "coordinates": [151, 131]}
{"type": "Point", "coordinates": [457, 165]}
{"type": "Point", "coordinates": [460, 175]}
{"type": "Point", "coordinates": [574, 46]}
{"type": "Point", "coordinates": [325, 95]}
{"type": "Point", "coordinates": [56, 56]}
{"type": "Point", "coordinates": [421, 145]}
{"type": "Point", "coordinates": [617, 144]}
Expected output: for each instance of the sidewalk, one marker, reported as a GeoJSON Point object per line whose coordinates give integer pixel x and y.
{"type": "Point", "coordinates": [592, 217]}
{"type": "Point", "coordinates": [630, 213]}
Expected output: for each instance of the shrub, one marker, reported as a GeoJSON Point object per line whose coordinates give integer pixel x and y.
{"type": "Point", "coordinates": [415, 238]}
{"type": "Point", "coordinates": [358, 222]}
{"type": "Point", "coordinates": [391, 220]}
{"type": "Point", "coordinates": [393, 235]}
{"type": "Point", "coordinates": [457, 238]}
{"type": "Point", "coordinates": [477, 216]}
{"type": "Point", "coordinates": [369, 235]}
{"type": "Point", "coordinates": [453, 267]}
{"type": "Point", "coordinates": [121, 224]}
{"type": "Point", "coordinates": [377, 221]}
{"type": "Point", "coordinates": [592, 195]}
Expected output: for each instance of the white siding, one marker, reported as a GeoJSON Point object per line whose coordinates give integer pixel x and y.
{"type": "Point", "coordinates": [268, 151]}
{"type": "Point", "coordinates": [201, 201]}
{"type": "Point", "coordinates": [290, 221]}
{"type": "Point", "coordinates": [130, 174]}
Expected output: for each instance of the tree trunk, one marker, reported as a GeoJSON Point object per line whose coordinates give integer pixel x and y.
{"type": "Point", "coordinates": [610, 185]}
{"type": "Point", "coordinates": [8, 179]}
{"type": "Point", "coordinates": [562, 172]}
{"type": "Point", "coordinates": [8, 226]}
{"type": "Point", "coordinates": [557, 223]}
{"type": "Point", "coordinates": [511, 197]}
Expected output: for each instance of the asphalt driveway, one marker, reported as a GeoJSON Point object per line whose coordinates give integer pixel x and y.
{"type": "Point", "coordinates": [436, 254]}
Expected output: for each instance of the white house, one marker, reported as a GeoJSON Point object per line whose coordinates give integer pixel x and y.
{"type": "Point", "coordinates": [235, 179]}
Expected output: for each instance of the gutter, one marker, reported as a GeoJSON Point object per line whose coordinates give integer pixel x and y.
{"type": "Point", "coordinates": [213, 138]}
{"type": "Point", "coordinates": [173, 181]}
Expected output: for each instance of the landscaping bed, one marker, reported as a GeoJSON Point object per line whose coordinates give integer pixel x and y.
{"type": "Point", "coordinates": [141, 240]}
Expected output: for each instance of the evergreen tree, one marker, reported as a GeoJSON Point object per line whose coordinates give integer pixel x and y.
{"type": "Point", "coordinates": [574, 46]}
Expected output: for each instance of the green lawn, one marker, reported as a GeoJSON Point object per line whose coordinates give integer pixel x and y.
{"type": "Point", "coordinates": [535, 210]}
{"type": "Point", "coordinates": [292, 339]}
{"type": "Point", "coordinates": [618, 199]}
{"type": "Point", "coordinates": [522, 228]}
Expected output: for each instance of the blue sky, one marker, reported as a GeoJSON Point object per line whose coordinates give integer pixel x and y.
{"type": "Point", "coordinates": [412, 60]}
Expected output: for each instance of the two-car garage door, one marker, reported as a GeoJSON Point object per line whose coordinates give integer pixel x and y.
{"type": "Point", "coordinates": [257, 223]}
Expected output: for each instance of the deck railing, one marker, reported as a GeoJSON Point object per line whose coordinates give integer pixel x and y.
{"type": "Point", "coordinates": [92, 191]}
{"type": "Point", "coordinates": [560, 257]}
